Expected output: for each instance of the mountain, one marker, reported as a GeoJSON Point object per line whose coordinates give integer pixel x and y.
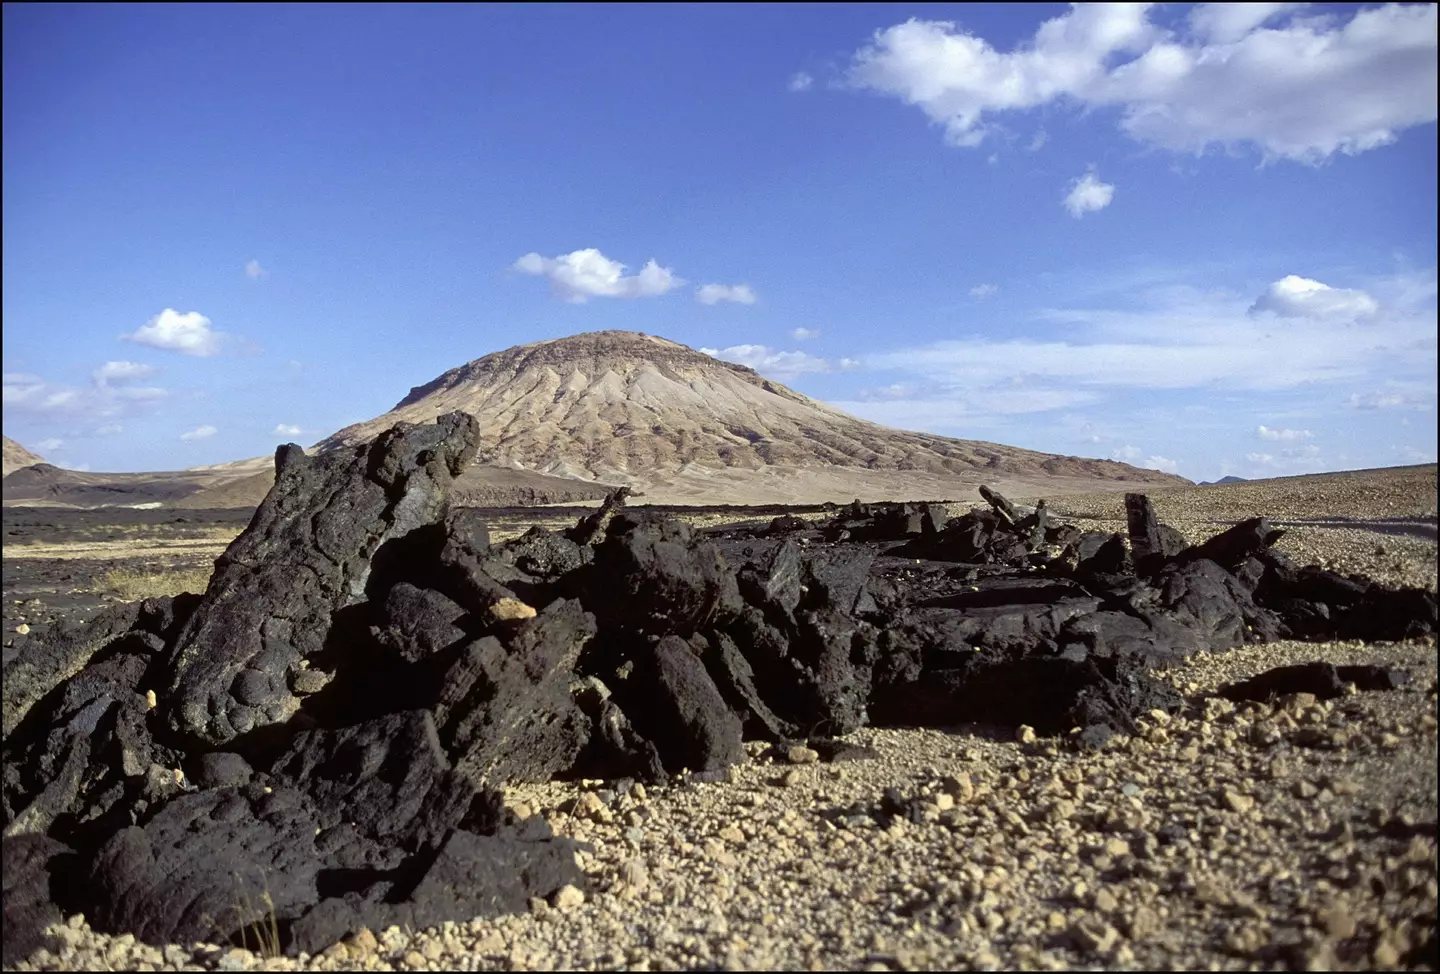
{"type": "Point", "coordinates": [683, 427]}
{"type": "Point", "coordinates": [1228, 479]}
{"type": "Point", "coordinates": [16, 456]}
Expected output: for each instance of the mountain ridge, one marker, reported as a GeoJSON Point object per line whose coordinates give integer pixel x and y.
{"type": "Point", "coordinates": [16, 457]}
{"type": "Point", "coordinates": [634, 408]}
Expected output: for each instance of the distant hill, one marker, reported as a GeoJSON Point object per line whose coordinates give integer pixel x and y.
{"type": "Point", "coordinates": [683, 427]}
{"type": "Point", "coordinates": [16, 457]}
{"type": "Point", "coordinates": [1230, 479]}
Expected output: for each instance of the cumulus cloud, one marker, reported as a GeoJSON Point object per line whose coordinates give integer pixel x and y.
{"type": "Point", "coordinates": [50, 443]}
{"type": "Point", "coordinates": [1299, 297]}
{"type": "Point", "coordinates": [122, 372]}
{"type": "Point", "coordinates": [1297, 87]}
{"type": "Point", "coordinates": [1163, 464]}
{"type": "Point", "coordinates": [804, 334]}
{"type": "Point", "coordinates": [1126, 453]}
{"type": "Point", "coordinates": [1088, 195]}
{"type": "Point", "coordinates": [287, 429]}
{"type": "Point", "coordinates": [187, 333]}
{"type": "Point", "coordinates": [800, 81]}
{"type": "Point", "coordinates": [584, 274]}
{"type": "Point", "coordinates": [774, 362]}
{"type": "Point", "coordinates": [1282, 434]}
{"type": "Point", "coordinates": [983, 290]}
{"type": "Point", "coordinates": [199, 433]}
{"type": "Point", "coordinates": [714, 293]}
{"type": "Point", "coordinates": [254, 271]}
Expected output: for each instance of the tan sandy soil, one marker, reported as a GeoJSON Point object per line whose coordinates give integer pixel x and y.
{"type": "Point", "coordinates": [1297, 834]}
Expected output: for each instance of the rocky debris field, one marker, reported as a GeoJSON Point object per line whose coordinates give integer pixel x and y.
{"type": "Point", "coordinates": [317, 748]}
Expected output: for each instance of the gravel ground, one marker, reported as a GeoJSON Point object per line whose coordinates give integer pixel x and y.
{"type": "Point", "coordinates": [1293, 834]}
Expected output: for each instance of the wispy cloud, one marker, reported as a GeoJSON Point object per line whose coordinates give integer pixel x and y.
{"type": "Point", "coordinates": [804, 334]}
{"type": "Point", "coordinates": [1145, 341]}
{"type": "Point", "coordinates": [584, 274]}
{"type": "Point", "coordinates": [1297, 87]}
{"type": "Point", "coordinates": [200, 433]}
{"type": "Point", "coordinates": [715, 293]}
{"type": "Point", "coordinates": [1282, 434]}
{"type": "Point", "coordinates": [110, 393]}
{"type": "Point", "coordinates": [122, 372]}
{"type": "Point", "coordinates": [287, 429]}
{"type": "Point", "coordinates": [801, 81]}
{"type": "Point", "coordinates": [189, 333]}
{"type": "Point", "coordinates": [776, 363]}
{"type": "Point", "coordinates": [983, 290]}
{"type": "Point", "coordinates": [254, 271]}
{"type": "Point", "coordinates": [1088, 195]}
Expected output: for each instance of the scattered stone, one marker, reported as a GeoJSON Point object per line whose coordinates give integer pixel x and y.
{"type": "Point", "coordinates": [567, 897]}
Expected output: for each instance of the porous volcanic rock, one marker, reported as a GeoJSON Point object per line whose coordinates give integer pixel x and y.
{"type": "Point", "coordinates": [316, 744]}
{"type": "Point", "coordinates": [270, 601]}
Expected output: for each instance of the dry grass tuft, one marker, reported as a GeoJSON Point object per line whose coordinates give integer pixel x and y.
{"type": "Point", "coordinates": [131, 585]}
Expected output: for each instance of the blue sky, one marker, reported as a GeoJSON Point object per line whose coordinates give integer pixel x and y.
{"type": "Point", "coordinates": [1196, 238]}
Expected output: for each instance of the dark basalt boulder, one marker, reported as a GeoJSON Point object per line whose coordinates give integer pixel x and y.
{"type": "Point", "coordinates": [470, 876]}
{"type": "Point", "coordinates": [387, 782]}
{"type": "Point", "coordinates": [25, 864]}
{"type": "Point", "coordinates": [1325, 680]}
{"type": "Point", "coordinates": [270, 602]}
{"type": "Point", "coordinates": [46, 659]}
{"type": "Point", "coordinates": [660, 577]}
{"type": "Point", "coordinates": [1051, 694]}
{"type": "Point", "coordinates": [505, 711]}
{"type": "Point", "coordinates": [678, 706]}
{"type": "Point", "coordinates": [207, 866]}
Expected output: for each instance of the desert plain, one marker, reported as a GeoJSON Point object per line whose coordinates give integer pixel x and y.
{"type": "Point", "coordinates": [1290, 834]}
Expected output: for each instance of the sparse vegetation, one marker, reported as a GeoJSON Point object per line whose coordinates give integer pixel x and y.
{"type": "Point", "coordinates": [263, 933]}
{"type": "Point", "coordinates": [130, 584]}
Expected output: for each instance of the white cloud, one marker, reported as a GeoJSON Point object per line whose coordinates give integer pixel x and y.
{"type": "Point", "coordinates": [187, 333]}
{"type": "Point", "coordinates": [122, 372]}
{"type": "Point", "coordinates": [1300, 297]}
{"type": "Point", "coordinates": [584, 274]}
{"type": "Point", "coordinates": [773, 362]}
{"type": "Point", "coordinates": [287, 429]}
{"type": "Point", "coordinates": [800, 81]}
{"type": "Point", "coordinates": [1297, 87]}
{"type": "Point", "coordinates": [1126, 453]}
{"type": "Point", "coordinates": [1037, 142]}
{"type": "Point", "coordinates": [1281, 434]}
{"type": "Point", "coordinates": [1263, 459]}
{"type": "Point", "coordinates": [48, 444]}
{"type": "Point", "coordinates": [109, 429]}
{"type": "Point", "coordinates": [804, 334]}
{"type": "Point", "coordinates": [1226, 23]}
{"type": "Point", "coordinates": [713, 293]}
{"type": "Point", "coordinates": [1183, 338]}
{"type": "Point", "coordinates": [1088, 195]}
{"type": "Point", "coordinates": [1163, 464]}
{"type": "Point", "coordinates": [199, 433]}
{"type": "Point", "coordinates": [254, 271]}
{"type": "Point", "coordinates": [29, 393]}
{"type": "Point", "coordinates": [1385, 400]}
{"type": "Point", "coordinates": [983, 290]}
{"type": "Point", "coordinates": [894, 391]}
